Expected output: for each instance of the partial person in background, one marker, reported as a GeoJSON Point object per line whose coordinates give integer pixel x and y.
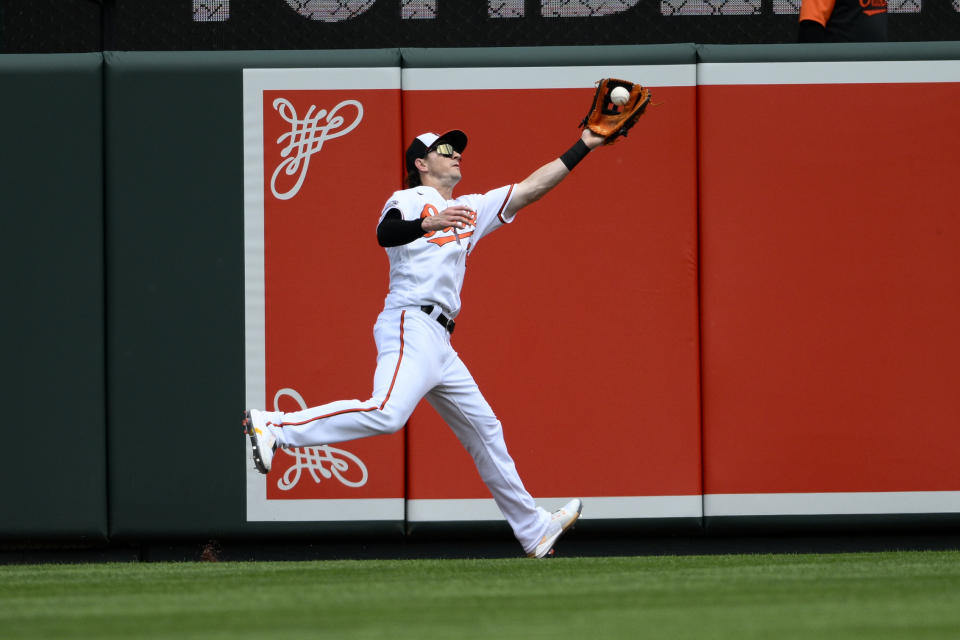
{"type": "Point", "coordinates": [843, 21]}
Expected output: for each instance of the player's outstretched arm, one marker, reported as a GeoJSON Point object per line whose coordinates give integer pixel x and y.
{"type": "Point", "coordinates": [538, 183]}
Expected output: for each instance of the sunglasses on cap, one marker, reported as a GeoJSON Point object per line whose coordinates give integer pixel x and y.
{"type": "Point", "coordinates": [445, 150]}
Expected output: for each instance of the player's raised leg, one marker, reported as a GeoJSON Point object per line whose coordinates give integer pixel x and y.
{"type": "Point", "coordinates": [407, 363]}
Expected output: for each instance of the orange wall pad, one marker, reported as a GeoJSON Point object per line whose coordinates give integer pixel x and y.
{"type": "Point", "coordinates": [325, 281]}
{"type": "Point", "coordinates": [579, 321]}
{"type": "Point", "coordinates": [830, 287]}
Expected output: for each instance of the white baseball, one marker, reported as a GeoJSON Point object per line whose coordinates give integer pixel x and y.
{"type": "Point", "coordinates": [619, 95]}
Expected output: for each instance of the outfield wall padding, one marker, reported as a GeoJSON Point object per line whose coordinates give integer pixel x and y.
{"type": "Point", "coordinates": [554, 303]}
{"type": "Point", "coordinates": [752, 324]}
{"type": "Point", "coordinates": [175, 289]}
{"type": "Point", "coordinates": [51, 251]}
{"type": "Point", "coordinates": [829, 297]}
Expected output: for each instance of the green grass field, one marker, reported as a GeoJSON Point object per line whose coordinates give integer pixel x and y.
{"type": "Point", "coordinates": [864, 595]}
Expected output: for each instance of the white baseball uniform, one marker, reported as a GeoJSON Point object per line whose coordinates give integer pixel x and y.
{"type": "Point", "coordinates": [415, 358]}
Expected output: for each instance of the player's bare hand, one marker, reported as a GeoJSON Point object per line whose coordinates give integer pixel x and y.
{"type": "Point", "coordinates": [591, 139]}
{"type": "Point", "coordinates": [457, 216]}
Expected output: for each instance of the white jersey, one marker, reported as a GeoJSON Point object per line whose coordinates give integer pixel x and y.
{"type": "Point", "coordinates": [430, 269]}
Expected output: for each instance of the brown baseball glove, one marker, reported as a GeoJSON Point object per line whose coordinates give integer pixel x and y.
{"type": "Point", "coordinates": [610, 120]}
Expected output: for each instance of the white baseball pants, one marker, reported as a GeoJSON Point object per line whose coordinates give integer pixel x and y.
{"type": "Point", "coordinates": [415, 360]}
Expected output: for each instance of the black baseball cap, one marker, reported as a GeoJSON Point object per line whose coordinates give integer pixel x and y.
{"type": "Point", "coordinates": [426, 141]}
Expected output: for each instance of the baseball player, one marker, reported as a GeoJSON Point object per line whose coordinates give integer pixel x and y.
{"type": "Point", "coordinates": [428, 235]}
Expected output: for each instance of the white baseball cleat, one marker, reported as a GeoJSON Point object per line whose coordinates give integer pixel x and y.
{"type": "Point", "coordinates": [560, 520]}
{"type": "Point", "coordinates": [263, 441]}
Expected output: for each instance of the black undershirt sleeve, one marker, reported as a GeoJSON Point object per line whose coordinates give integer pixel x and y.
{"type": "Point", "coordinates": [394, 231]}
{"type": "Point", "coordinates": [811, 31]}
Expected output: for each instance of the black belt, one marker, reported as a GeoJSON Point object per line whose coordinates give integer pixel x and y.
{"type": "Point", "coordinates": [446, 322]}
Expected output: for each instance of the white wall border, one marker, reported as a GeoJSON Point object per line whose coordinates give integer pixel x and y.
{"type": "Point", "coordinates": [822, 504]}
{"type": "Point", "coordinates": [865, 72]}
{"type": "Point", "coordinates": [259, 509]}
{"type": "Point", "coordinates": [594, 508]}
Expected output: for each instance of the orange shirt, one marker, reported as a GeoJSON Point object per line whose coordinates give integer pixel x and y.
{"type": "Point", "coordinates": [848, 20]}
